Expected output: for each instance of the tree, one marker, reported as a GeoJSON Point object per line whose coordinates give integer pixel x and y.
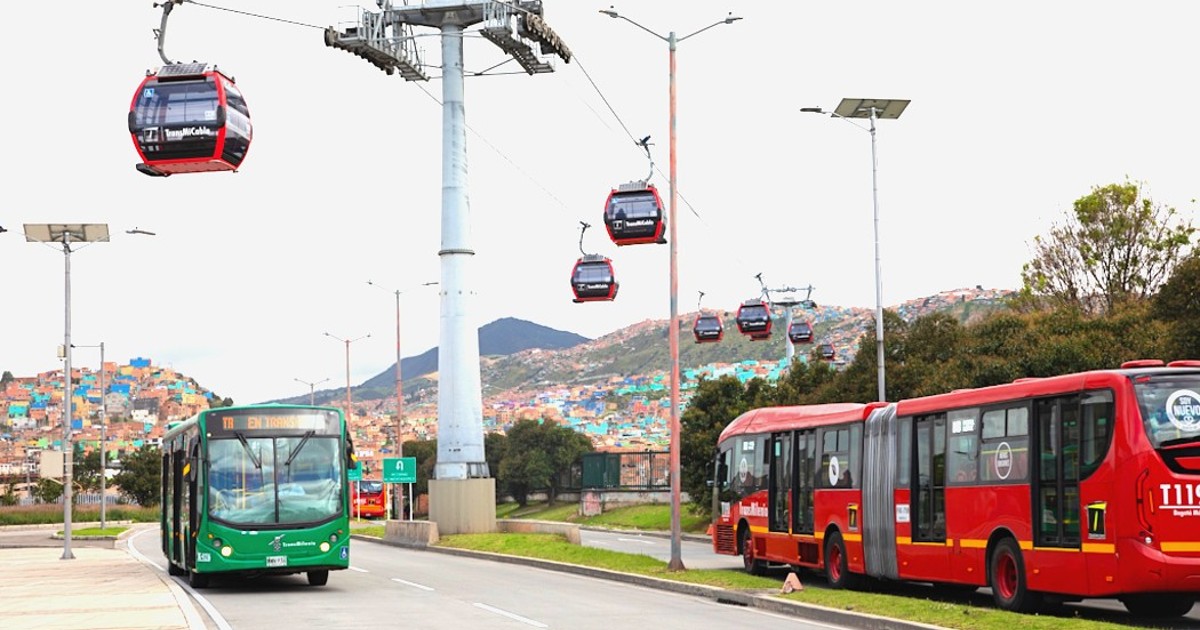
{"type": "Point", "coordinates": [1178, 304]}
{"type": "Point", "coordinates": [1116, 246]}
{"type": "Point", "coordinates": [86, 471]}
{"type": "Point", "coordinates": [714, 405]}
{"type": "Point", "coordinates": [538, 456]}
{"type": "Point", "coordinates": [141, 476]}
{"type": "Point", "coordinates": [216, 401]}
{"type": "Point", "coordinates": [495, 445]}
{"type": "Point", "coordinates": [425, 452]}
{"type": "Point", "coordinates": [6, 378]}
{"type": "Point", "coordinates": [48, 490]}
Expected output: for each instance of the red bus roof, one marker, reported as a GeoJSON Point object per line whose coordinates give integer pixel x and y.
{"type": "Point", "coordinates": [771, 419]}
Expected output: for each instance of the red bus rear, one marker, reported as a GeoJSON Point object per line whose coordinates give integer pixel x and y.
{"type": "Point", "coordinates": [370, 500]}
{"type": "Point", "coordinates": [1073, 486]}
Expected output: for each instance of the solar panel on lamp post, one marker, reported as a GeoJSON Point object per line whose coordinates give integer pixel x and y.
{"type": "Point", "coordinates": [871, 109]}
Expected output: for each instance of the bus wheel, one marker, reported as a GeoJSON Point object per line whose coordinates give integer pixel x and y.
{"type": "Point", "coordinates": [1158, 606]}
{"type": "Point", "coordinates": [174, 570]}
{"type": "Point", "coordinates": [318, 578]}
{"type": "Point", "coordinates": [836, 572]}
{"type": "Point", "coordinates": [1007, 579]}
{"type": "Point", "coordinates": [198, 580]}
{"type": "Point", "coordinates": [752, 565]}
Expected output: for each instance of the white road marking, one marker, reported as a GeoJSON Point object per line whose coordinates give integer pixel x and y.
{"type": "Point", "coordinates": [188, 611]}
{"type": "Point", "coordinates": [358, 569]}
{"type": "Point", "coordinates": [637, 540]}
{"type": "Point", "coordinates": [413, 584]}
{"type": "Point", "coordinates": [514, 617]}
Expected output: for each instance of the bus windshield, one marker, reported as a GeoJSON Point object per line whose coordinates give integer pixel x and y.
{"type": "Point", "coordinates": [274, 480]}
{"type": "Point", "coordinates": [1170, 406]}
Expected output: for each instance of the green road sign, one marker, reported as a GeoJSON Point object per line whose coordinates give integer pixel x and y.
{"type": "Point", "coordinates": [355, 474]}
{"type": "Point", "coordinates": [400, 470]}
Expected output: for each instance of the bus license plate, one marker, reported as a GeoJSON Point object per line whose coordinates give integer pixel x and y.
{"type": "Point", "coordinates": [277, 561]}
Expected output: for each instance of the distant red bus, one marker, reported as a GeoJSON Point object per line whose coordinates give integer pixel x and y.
{"type": "Point", "coordinates": [370, 500]}
{"type": "Point", "coordinates": [1058, 488]}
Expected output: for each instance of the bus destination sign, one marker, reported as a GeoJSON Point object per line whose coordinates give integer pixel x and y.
{"type": "Point", "coordinates": [271, 422]}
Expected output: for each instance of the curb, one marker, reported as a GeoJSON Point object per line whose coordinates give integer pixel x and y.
{"type": "Point", "coordinates": [720, 595]}
{"type": "Point", "coordinates": [653, 533]}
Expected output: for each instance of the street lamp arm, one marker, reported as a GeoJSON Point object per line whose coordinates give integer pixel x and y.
{"type": "Point", "coordinates": [730, 19]}
{"type": "Point", "coordinates": [818, 110]}
{"type": "Point", "coordinates": [613, 14]}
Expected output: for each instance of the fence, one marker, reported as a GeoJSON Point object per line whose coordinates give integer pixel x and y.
{"type": "Point", "coordinates": [649, 470]}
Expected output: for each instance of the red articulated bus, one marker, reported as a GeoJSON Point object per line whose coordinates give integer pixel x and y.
{"type": "Point", "coordinates": [1061, 488]}
{"type": "Point", "coordinates": [370, 501]}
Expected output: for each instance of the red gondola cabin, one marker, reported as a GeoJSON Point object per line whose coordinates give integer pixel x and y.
{"type": "Point", "coordinates": [754, 319]}
{"type": "Point", "coordinates": [708, 329]}
{"type": "Point", "coordinates": [593, 279]}
{"type": "Point", "coordinates": [633, 214]}
{"type": "Point", "coordinates": [800, 332]}
{"type": "Point", "coordinates": [189, 118]}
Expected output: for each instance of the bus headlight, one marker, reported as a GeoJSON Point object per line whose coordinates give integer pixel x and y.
{"type": "Point", "coordinates": [216, 543]}
{"type": "Point", "coordinates": [226, 551]}
{"type": "Point", "coordinates": [324, 547]}
{"type": "Point", "coordinates": [333, 538]}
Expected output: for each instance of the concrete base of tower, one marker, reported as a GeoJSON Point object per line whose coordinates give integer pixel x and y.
{"type": "Point", "coordinates": [463, 506]}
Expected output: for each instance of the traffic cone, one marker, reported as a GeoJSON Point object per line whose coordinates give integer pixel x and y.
{"type": "Point", "coordinates": [791, 584]}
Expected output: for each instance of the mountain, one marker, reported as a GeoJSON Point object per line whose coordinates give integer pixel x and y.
{"type": "Point", "coordinates": [501, 337]}
{"type": "Point", "coordinates": [517, 354]}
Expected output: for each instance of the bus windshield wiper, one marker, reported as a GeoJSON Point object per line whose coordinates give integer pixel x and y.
{"type": "Point", "coordinates": [246, 445]}
{"type": "Point", "coordinates": [299, 446]}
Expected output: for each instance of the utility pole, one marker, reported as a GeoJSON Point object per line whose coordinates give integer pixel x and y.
{"type": "Point", "coordinates": [462, 495]}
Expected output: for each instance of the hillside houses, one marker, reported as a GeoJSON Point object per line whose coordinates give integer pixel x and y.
{"type": "Point", "coordinates": [139, 397]}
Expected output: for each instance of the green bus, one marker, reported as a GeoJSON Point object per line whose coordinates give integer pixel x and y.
{"type": "Point", "coordinates": [257, 490]}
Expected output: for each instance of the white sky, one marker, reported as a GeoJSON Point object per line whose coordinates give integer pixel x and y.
{"type": "Point", "coordinates": [1018, 109]}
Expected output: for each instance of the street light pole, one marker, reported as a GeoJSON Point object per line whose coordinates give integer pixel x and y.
{"type": "Point", "coordinates": [400, 390]}
{"type": "Point", "coordinates": [312, 389]}
{"type": "Point", "coordinates": [349, 412]}
{"type": "Point", "coordinates": [676, 563]}
{"type": "Point", "coordinates": [103, 427]}
{"type": "Point", "coordinates": [871, 109]}
{"type": "Point", "coordinates": [66, 234]}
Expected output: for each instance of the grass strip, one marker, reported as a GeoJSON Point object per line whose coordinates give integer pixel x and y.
{"type": "Point", "coordinates": [919, 603]}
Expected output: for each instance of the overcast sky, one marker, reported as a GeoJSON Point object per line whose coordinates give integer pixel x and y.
{"type": "Point", "coordinates": [1018, 109]}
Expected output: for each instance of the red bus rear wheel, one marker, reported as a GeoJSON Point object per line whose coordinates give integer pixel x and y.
{"type": "Point", "coordinates": [837, 573]}
{"type": "Point", "coordinates": [1007, 579]}
{"type": "Point", "coordinates": [752, 565]}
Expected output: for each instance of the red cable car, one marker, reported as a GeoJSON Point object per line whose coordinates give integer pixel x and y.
{"type": "Point", "coordinates": [827, 351]}
{"type": "Point", "coordinates": [593, 279]}
{"type": "Point", "coordinates": [800, 332]}
{"type": "Point", "coordinates": [754, 319]}
{"type": "Point", "coordinates": [189, 118]}
{"type": "Point", "coordinates": [708, 329]}
{"type": "Point", "coordinates": [633, 214]}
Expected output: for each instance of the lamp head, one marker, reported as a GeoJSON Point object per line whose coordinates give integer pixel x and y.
{"type": "Point", "coordinates": [812, 110]}
{"type": "Point", "coordinates": [610, 12]}
{"type": "Point", "coordinates": [731, 18]}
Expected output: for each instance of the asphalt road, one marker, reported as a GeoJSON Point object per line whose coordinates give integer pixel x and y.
{"type": "Point", "coordinates": [390, 587]}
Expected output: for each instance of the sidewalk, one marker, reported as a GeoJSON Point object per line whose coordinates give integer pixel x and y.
{"type": "Point", "coordinates": [101, 588]}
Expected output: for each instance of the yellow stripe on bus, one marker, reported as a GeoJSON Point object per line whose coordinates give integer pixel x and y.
{"type": "Point", "coordinates": [1099, 548]}
{"type": "Point", "coordinates": [972, 543]}
{"type": "Point", "coordinates": [852, 537]}
{"type": "Point", "coordinates": [1180, 546]}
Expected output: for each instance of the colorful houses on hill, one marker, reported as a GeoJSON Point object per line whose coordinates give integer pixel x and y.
{"type": "Point", "coordinates": [139, 399]}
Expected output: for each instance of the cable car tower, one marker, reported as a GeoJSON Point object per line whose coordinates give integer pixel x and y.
{"type": "Point", "coordinates": [788, 298]}
{"type": "Point", "coordinates": [462, 496]}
